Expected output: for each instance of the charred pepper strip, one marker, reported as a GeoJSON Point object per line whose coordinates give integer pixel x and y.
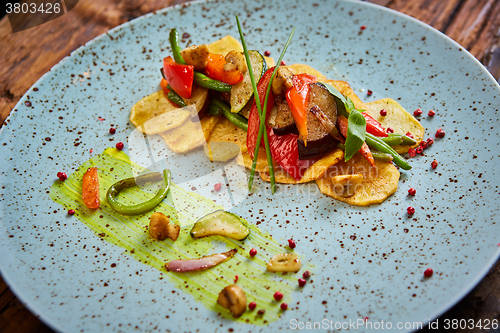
{"type": "Point", "coordinates": [200, 79]}
{"type": "Point", "coordinates": [217, 107]}
{"type": "Point", "coordinates": [383, 147]}
{"type": "Point", "coordinates": [171, 94]}
{"type": "Point", "coordinates": [130, 182]}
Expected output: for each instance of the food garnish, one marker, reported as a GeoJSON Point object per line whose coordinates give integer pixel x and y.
{"type": "Point", "coordinates": [233, 298]}
{"type": "Point", "coordinates": [284, 262]}
{"type": "Point", "coordinates": [220, 223]}
{"type": "Point", "coordinates": [143, 207]}
{"type": "Point", "coordinates": [190, 265]}
{"type": "Point", "coordinates": [160, 227]}
{"type": "Point", "coordinates": [90, 189]}
{"type": "Point", "coordinates": [428, 273]}
{"type": "Point", "coordinates": [278, 296]}
{"type": "Point", "coordinates": [62, 176]}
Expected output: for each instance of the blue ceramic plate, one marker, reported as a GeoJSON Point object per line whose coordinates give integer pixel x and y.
{"type": "Point", "coordinates": [368, 262]}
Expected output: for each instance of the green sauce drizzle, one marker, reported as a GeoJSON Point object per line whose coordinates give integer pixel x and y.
{"type": "Point", "coordinates": [184, 208]}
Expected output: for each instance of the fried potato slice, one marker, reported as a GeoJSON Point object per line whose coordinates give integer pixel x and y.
{"type": "Point", "coordinates": [302, 68]}
{"type": "Point", "coordinates": [225, 45]}
{"type": "Point", "coordinates": [225, 131]}
{"type": "Point", "coordinates": [397, 118]}
{"type": "Point", "coordinates": [312, 173]}
{"type": "Point", "coordinates": [190, 135]}
{"type": "Point", "coordinates": [378, 182]}
{"type": "Point", "coordinates": [245, 160]}
{"type": "Point", "coordinates": [154, 113]}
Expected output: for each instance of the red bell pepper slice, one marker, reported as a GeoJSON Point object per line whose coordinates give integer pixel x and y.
{"type": "Point", "coordinates": [180, 77]}
{"type": "Point", "coordinates": [297, 97]}
{"type": "Point", "coordinates": [364, 150]}
{"type": "Point", "coordinates": [373, 126]}
{"type": "Point", "coordinates": [215, 70]}
{"type": "Point", "coordinates": [284, 148]}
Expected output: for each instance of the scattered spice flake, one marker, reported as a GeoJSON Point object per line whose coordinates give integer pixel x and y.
{"type": "Point", "coordinates": [412, 192]}
{"type": "Point", "coordinates": [261, 312]}
{"type": "Point", "coordinates": [252, 306]}
{"type": "Point", "coordinates": [119, 145]}
{"type": "Point", "coordinates": [431, 113]}
{"type": "Point", "coordinates": [101, 119]}
{"type": "Point", "coordinates": [284, 306]}
{"type": "Point", "coordinates": [389, 130]}
{"type": "Point", "coordinates": [417, 112]}
{"type": "Point", "coordinates": [278, 296]}
{"type": "Point", "coordinates": [71, 212]}
{"type": "Point", "coordinates": [440, 133]}
{"type": "Point", "coordinates": [306, 275]}
{"type": "Point", "coordinates": [410, 210]}
{"type": "Point", "coordinates": [302, 282]}
{"type": "Point", "coordinates": [369, 92]}
{"type": "Point", "coordinates": [253, 252]}
{"type": "Point", "coordinates": [217, 187]}
{"type": "Point", "coordinates": [291, 243]}
{"type": "Point", "coordinates": [62, 176]}
{"type": "Point", "coordinates": [267, 53]}
{"type": "Point", "coordinates": [91, 150]}
{"type": "Point", "coordinates": [434, 164]}
{"type": "Point", "coordinates": [383, 113]}
{"type": "Point", "coordinates": [428, 273]}
{"type": "Point", "coordinates": [112, 130]}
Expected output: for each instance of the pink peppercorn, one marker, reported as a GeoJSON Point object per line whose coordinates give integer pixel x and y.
{"type": "Point", "coordinates": [410, 210]}
{"type": "Point", "coordinates": [217, 187]}
{"type": "Point", "coordinates": [389, 130]}
{"type": "Point", "coordinates": [434, 164]}
{"type": "Point", "coordinates": [412, 152]}
{"type": "Point", "coordinates": [419, 150]}
{"type": "Point", "coordinates": [112, 130]}
{"type": "Point", "coordinates": [428, 272]}
{"type": "Point", "coordinates": [284, 306]}
{"type": "Point", "coordinates": [267, 53]}
{"type": "Point", "coordinates": [62, 176]}
{"type": "Point", "coordinates": [431, 113]}
{"type": "Point", "coordinates": [423, 144]}
{"type": "Point", "coordinates": [278, 296]}
{"type": "Point", "coordinates": [412, 191]}
{"type": "Point", "coordinates": [236, 277]}
{"type": "Point", "coordinates": [253, 252]}
{"type": "Point", "coordinates": [440, 133]}
{"type": "Point", "coordinates": [71, 212]}
{"type": "Point", "coordinates": [408, 134]}
{"type": "Point", "coordinates": [430, 141]}
{"type": "Point", "coordinates": [363, 27]}
{"type": "Point", "coordinates": [283, 63]}
{"type": "Point", "coordinates": [369, 92]}
{"type": "Point", "coordinates": [417, 112]}
{"type": "Point", "coordinates": [119, 145]}
{"type": "Point", "coordinates": [291, 243]}
{"type": "Point", "coordinates": [383, 113]}
{"type": "Point", "coordinates": [306, 275]}
{"type": "Point", "coordinates": [302, 282]}
{"type": "Point", "coordinates": [252, 306]}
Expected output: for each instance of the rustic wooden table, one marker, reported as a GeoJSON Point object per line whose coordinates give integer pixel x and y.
{"type": "Point", "coordinates": [28, 54]}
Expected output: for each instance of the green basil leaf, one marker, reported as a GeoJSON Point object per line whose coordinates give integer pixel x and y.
{"type": "Point", "coordinates": [356, 131]}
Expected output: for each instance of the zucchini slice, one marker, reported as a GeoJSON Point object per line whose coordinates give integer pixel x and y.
{"type": "Point", "coordinates": [243, 91]}
{"type": "Point", "coordinates": [220, 223]}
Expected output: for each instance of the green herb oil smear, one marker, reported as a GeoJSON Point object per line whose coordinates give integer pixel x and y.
{"type": "Point", "coordinates": [183, 208]}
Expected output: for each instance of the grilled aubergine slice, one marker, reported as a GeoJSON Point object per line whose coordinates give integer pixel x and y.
{"type": "Point", "coordinates": [319, 140]}
{"type": "Point", "coordinates": [281, 119]}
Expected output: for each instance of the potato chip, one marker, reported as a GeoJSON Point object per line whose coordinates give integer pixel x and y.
{"type": "Point", "coordinates": [397, 118]}
{"type": "Point", "coordinates": [225, 131]}
{"type": "Point", "coordinates": [225, 45]}
{"type": "Point", "coordinates": [378, 182]}
{"type": "Point", "coordinates": [221, 151]}
{"type": "Point", "coordinates": [269, 61]}
{"type": "Point", "coordinates": [314, 172]}
{"type": "Point", "coordinates": [346, 185]}
{"type": "Point", "coordinates": [190, 135]}
{"type": "Point", "coordinates": [245, 160]}
{"type": "Point", "coordinates": [154, 113]}
{"type": "Point", "coordinates": [302, 68]}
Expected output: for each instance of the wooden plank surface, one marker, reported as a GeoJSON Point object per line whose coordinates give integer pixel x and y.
{"type": "Point", "coordinates": [28, 54]}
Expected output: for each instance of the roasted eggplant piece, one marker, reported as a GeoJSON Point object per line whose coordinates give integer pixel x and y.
{"type": "Point", "coordinates": [319, 140]}
{"type": "Point", "coordinates": [281, 119]}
